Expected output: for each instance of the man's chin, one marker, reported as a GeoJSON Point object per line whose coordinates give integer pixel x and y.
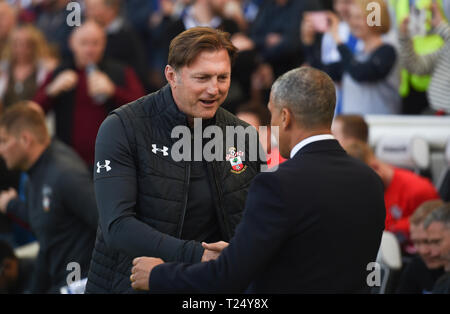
{"type": "Point", "coordinates": [433, 264]}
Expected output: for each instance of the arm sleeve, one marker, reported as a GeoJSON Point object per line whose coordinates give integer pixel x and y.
{"type": "Point", "coordinates": [313, 58]}
{"type": "Point", "coordinates": [41, 97]}
{"type": "Point", "coordinates": [18, 209]}
{"type": "Point", "coordinates": [132, 90]}
{"type": "Point", "coordinates": [40, 281]}
{"type": "Point", "coordinates": [261, 233]}
{"type": "Point", "coordinates": [421, 65]}
{"type": "Point", "coordinates": [116, 189]}
{"type": "Point", "coordinates": [443, 29]}
{"type": "Point", "coordinates": [375, 69]}
{"type": "Point", "coordinates": [78, 196]}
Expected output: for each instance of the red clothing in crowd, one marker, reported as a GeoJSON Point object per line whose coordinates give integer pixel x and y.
{"type": "Point", "coordinates": [87, 115]}
{"type": "Point", "coordinates": [405, 193]}
{"type": "Point", "coordinates": [272, 162]}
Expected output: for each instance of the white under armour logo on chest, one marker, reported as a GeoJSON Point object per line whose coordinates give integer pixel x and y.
{"type": "Point", "coordinates": [105, 166]}
{"type": "Point", "coordinates": [164, 150]}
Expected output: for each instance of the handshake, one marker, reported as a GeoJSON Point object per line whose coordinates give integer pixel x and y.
{"type": "Point", "coordinates": [143, 266]}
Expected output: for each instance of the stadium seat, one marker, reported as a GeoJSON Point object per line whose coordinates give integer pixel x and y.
{"type": "Point", "coordinates": [390, 260]}
{"type": "Point", "coordinates": [405, 152]}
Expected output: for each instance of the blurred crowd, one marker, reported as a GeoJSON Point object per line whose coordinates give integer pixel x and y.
{"type": "Point", "coordinates": [391, 59]}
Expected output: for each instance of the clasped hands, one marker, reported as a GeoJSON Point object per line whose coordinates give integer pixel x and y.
{"type": "Point", "coordinates": [143, 266]}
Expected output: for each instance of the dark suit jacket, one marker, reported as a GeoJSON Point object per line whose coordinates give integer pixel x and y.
{"type": "Point", "coordinates": [310, 227]}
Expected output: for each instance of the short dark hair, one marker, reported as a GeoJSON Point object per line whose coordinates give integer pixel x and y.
{"type": "Point", "coordinates": [354, 126]}
{"type": "Point", "coordinates": [359, 150]}
{"type": "Point", "coordinates": [185, 47]}
{"type": "Point", "coordinates": [309, 94]}
{"type": "Point", "coordinates": [22, 116]}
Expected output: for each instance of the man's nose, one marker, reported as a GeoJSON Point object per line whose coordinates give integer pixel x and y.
{"type": "Point", "coordinates": [213, 87]}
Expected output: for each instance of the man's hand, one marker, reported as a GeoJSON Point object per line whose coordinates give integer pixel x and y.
{"type": "Point", "coordinates": [100, 84]}
{"type": "Point", "coordinates": [5, 198]}
{"type": "Point", "coordinates": [64, 82]}
{"type": "Point", "coordinates": [213, 250]}
{"type": "Point", "coordinates": [140, 273]}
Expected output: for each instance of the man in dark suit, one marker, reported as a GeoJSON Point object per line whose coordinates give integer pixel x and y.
{"type": "Point", "coordinates": [313, 226]}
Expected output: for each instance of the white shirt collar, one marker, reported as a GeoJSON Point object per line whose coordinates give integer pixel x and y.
{"type": "Point", "coordinates": [309, 140]}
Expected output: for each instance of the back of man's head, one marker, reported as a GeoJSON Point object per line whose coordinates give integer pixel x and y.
{"type": "Point", "coordinates": [25, 116]}
{"type": "Point", "coordinates": [351, 127]}
{"type": "Point", "coordinates": [8, 267]}
{"type": "Point", "coordinates": [309, 94]}
{"type": "Point", "coordinates": [359, 150]}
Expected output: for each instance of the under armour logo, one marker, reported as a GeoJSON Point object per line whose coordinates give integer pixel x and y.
{"type": "Point", "coordinates": [106, 165]}
{"type": "Point", "coordinates": [164, 150]}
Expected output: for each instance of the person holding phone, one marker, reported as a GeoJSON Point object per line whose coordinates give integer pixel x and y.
{"type": "Point", "coordinates": [436, 64]}
{"type": "Point", "coordinates": [320, 47]}
{"type": "Point", "coordinates": [370, 78]}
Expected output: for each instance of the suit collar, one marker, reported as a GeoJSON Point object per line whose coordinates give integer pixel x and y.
{"type": "Point", "coordinates": [308, 140]}
{"type": "Point", "coordinates": [320, 146]}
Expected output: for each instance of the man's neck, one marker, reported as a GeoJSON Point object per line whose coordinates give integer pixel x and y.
{"type": "Point", "coordinates": [36, 153]}
{"type": "Point", "coordinates": [300, 135]}
{"type": "Point", "coordinates": [387, 174]}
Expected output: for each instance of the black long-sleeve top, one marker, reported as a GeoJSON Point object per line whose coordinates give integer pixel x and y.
{"type": "Point", "coordinates": [61, 210]}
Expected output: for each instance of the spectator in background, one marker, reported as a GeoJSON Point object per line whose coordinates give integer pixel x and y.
{"type": "Point", "coordinates": [203, 13]}
{"type": "Point", "coordinates": [213, 13]}
{"type": "Point", "coordinates": [82, 91]}
{"type": "Point", "coordinates": [404, 190]}
{"type": "Point", "coordinates": [320, 48]}
{"type": "Point", "coordinates": [436, 64]}
{"type": "Point", "coordinates": [25, 64]}
{"type": "Point", "coordinates": [275, 33]}
{"type": "Point", "coordinates": [8, 18]}
{"type": "Point", "coordinates": [122, 42]}
{"type": "Point", "coordinates": [161, 14]}
{"type": "Point", "coordinates": [370, 78]}
{"type": "Point", "coordinates": [348, 128]}
{"type": "Point", "coordinates": [15, 273]}
{"type": "Point", "coordinates": [51, 19]}
{"type": "Point", "coordinates": [259, 116]}
{"type": "Point", "coordinates": [60, 206]}
{"type": "Point", "coordinates": [437, 225]}
{"type": "Point", "coordinates": [423, 270]}
{"type": "Point", "coordinates": [413, 87]}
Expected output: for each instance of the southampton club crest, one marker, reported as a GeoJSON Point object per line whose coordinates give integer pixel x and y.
{"type": "Point", "coordinates": [235, 159]}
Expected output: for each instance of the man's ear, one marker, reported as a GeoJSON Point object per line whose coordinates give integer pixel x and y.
{"type": "Point", "coordinates": [25, 138]}
{"type": "Point", "coordinates": [286, 118]}
{"type": "Point", "coordinates": [171, 75]}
